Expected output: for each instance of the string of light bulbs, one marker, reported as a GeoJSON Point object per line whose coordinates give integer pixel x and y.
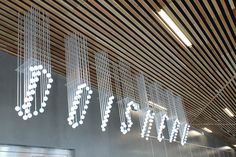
{"type": "Point", "coordinates": [106, 96]}
{"type": "Point", "coordinates": [125, 94]}
{"type": "Point", "coordinates": [33, 63]}
{"type": "Point", "coordinates": [78, 79]}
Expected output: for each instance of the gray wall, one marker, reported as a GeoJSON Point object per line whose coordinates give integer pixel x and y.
{"type": "Point", "coordinates": [51, 129]}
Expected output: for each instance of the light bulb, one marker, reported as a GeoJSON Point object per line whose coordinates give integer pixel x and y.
{"type": "Point", "coordinates": [38, 73]}
{"type": "Point", "coordinates": [32, 80]}
{"type": "Point", "coordinates": [24, 106]}
{"type": "Point", "coordinates": [48, 75]}
{"type": "Point", "coordinates": [87, 88]}
{"type": "Point", "coordinates": [82, 117]}
{"type": "Point", "coordinates": [50, 80]}
{"type": "Point", "coordinates": [34, 85]}
{"type": "Point", "coordinates": [34, 74]}
{"type": "Point", "coordinates": [49, 86]}
{"type": "Point", "coordinates": [47, 92]}
{"type": "Point", "coordinates": [90, 92]}
{"type": "Point", "coordinates": [31, 68]}
{"type": "Point", "coordinates": [89, 97]}
{"type": "Point", "coordinates": [35, 113]}
{"type": "Point", "coordinates": [103, 129]}
{"type": "Point", "coordinates": [45, 98]}
{"type": "Point", "coordinates": [44, 71]}
{"type": "Point", "coordinates": [70, 122]}
{"type": "Point", "coordinates": [17, 108]}
{"type": "Point", "coordinates": [36, 79]}
{"type": "Point", "coordinates": [32, 92]}
{"type": "Point", "coordinates": [28, 104]}
{"type": "Point", "coordinates": [81, 122]}
{"type": "Point", "coordinates": [87, 102]}
{"type": "Point", "coordinates": [83, 112]}
{"type": "Point", "coordinates": [20, 113]}
{"type": "Point", "coordinates": [27, 110]}
{"type": "Point", "coordinates": [74, 126]}
{"type": "Point", "coordinates": [35, 67]}
{"type": "Point", "coordinates": [29, 115]}
{"type": "Point", "coordinates": [25, 117]}
{"type": "Point", "coordinates": [43, 104]}
{"type": "Point", "coordinates": [31, 98]}
{"type": "Point", "coordinates": [75, 107]}
{"type": "Point", "coordinates": [41, 110]}
{"type": "Point", "coordinates": [40, 67]}
{"type": "Point", "coordinates": [86, 107]}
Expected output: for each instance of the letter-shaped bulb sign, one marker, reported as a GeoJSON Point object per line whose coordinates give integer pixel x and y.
{"type": "Point", "coordinates": [160, 119]}
{"type": "Point", "coordinates": [184, 133]}
{"type": "Point", "coordinates": [174, 124]}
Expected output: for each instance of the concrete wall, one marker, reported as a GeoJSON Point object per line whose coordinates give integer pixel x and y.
{"type": "Point", "coordinates": [51, 129]}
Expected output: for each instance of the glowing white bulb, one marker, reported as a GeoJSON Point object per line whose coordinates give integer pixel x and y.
{"type": "Point", "coordinates": [47, 92]}
{"type": "Point", "coordinates": [87, 102]}
{"type": "Point", "coordinates": [88, 96]}
{"type": "Point", "coordinates": [35, 67]}
{"type": "Point", "coordinates": [20, 113]}
{"type": "Point", "coordinates": [44, 71]}
{"type": "Point", "coordinates": [48, 75]}
{"type": "Point", "coordinates": [38, 73]}
{"type": "Point", "coordinates": [34, 85]}
{"type": "Point", "coordinates": [29, 115]}
{"type": "Point", "coordinates": [49, 86]}
{"type": "Point", "coordinates": [87, 88]}
{"type": "Point", "coordinates": [31, 68]}
{"type": "Point", "coordinates": [70, 122]}
{"type": "Point", "coordinates": [103, 129]}
{"type": "Point", "coordinates": [45, 98]}
{"type": "Point", "coordinates": [24, 106]}
{"type": "Point", "coordinates": [50, 80]}
{"type": "Point", "coordinates": [25, 117]}
{"type": "Point", "coordinates": [28, 104]}
{"type": "Point", "coordinates": [43, 104]}
{"type": "Point", "coordinates": [32, 80]}
{"type": "Point", "coordinates": [27, 110]}
{"type": "Point", "coordinates": [40, 67]}
{"type": "Point", "coordinates": [32, 92]}
{"type": "Point", "coordinates": [83, 112]}
{"type": "Point", "coordinates": [90, 92]}
{"type": "Point", "coordinates": [35, 113]}
{"type": "Point", "coordinates": [86, 107]}
{"type": "Point", "coordinates": [41, 110]}
{"type": "Point", "coordinates": [74, 126]}
{"type": "Point", "coordinates": [82, 117]}
{"type": "Point", "coordinates": [81, 122]}
{"type": "Point", "coordinates": [36, 79]}
{"type": "Point", "coordinates": [17, 108]}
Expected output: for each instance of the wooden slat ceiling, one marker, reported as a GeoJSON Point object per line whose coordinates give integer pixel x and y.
{"type": "Point", "coordinates": [204, 74]}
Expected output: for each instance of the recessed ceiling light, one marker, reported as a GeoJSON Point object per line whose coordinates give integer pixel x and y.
{"type": "Point", "coordinates": [234, 145]}
{"type": "Point", "coordinates": [194, 133]}
{"type": "Point", "coordinates": [174, 28]}
{"type": "Point", "coordinates": [225, 148]}
{"type": "Point", "coordinates": [228, 112]}
{"type": "Point", "coordinates": [207, 130]}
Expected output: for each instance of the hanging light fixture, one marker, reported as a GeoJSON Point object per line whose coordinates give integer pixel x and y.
{"type": "Point", "coordinates": [158, 99]}
{"type": "Point", "coordinates": [77, 76]}
{"type": "Point", "coordinates": [104, 87]}
{"type": "Point", "coordinates": [146, 116]}
{"type": "Point", "coordinates": [125, 94]}
{"type": "Point", "coordinates": [184, 126]}
{"type": "Point", "coordinates": [173, 123]}
{"type": "Point", "coordinates": [34, 63]}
